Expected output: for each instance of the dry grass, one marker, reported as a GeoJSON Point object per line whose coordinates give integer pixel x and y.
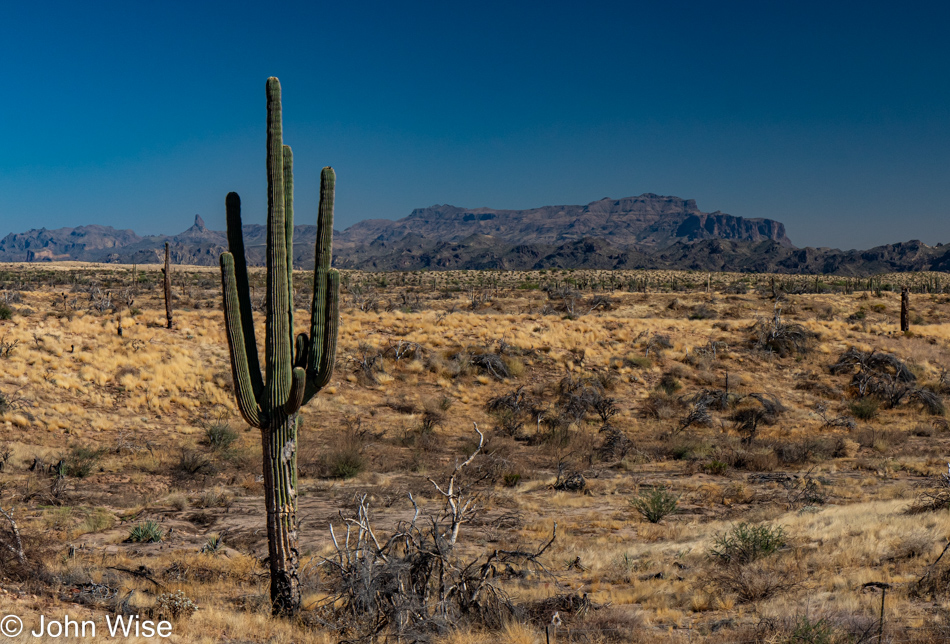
{"type": "Point", "coordinates": [70, 382]}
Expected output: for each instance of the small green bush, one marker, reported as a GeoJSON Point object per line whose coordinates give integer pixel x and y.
{"type": "Point", "coordinates": [715, 467]}
{"type": "Point", "coordinates": [80, 462]}
{"type": "Point", "coordinates": [637, 362]}
{"type": "Point", "coordinates": [819, 631]}
{"type": "Point", "coordinates": [865, 408]}
{"type": "Point", "coordinates": [146, 532]}
{"type": "Point", "coordinates": [669, 384]}
{"type": "Point", "coordinates": [6, 311]}
{"type": "Point", "coordinates": [511, 479]}
{"type": "Point", "coordinates": [219, 437]}
{"type": "Point", "coordinates": [346, 463]}
{"type": "Point", "coordinates": [656, 504]}
{"type": "Point", "coordinates": [747, 542]}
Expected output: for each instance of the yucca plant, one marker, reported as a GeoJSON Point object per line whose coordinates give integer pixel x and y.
{"type": "Point", "coordinates": [656, 504]}
{"type": "Point", "coordinates": [146, 532]}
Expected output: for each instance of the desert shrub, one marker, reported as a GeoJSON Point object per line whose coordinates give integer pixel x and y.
{"type": "Point", "coordinates": [345, 456]}
{"type": "Point", "coordinates": [146, 532]}
{"type": "Point", "coordinates": [175, 605]}
{"type": "Point", "coordinates": [747, 420]}
{"type": "Point", "coordinates": [515, 365]}
{"type": "Point", "coordinates": [345, 463]}
{"type": "Point", "coordinates": [808, 631]}
{"type": "Point", "coordinates": [569, 481]}
{"type": "Point", "coordinates": [493, 365]}
{"type": "Point", "coordinates": [934, 495]}
{"type": "Point", "coordinates": [177, 501]}
{"type": "Point", "coordinates": [924, 430]}
{"type": "Point", "coordinates": [753, 582]}
{"type": "Point", "coordinates": [738, 287]}
{"type": "Point", "coordinates": [397, 582]}
{"type": "Point", "coordinates": [80, 461]}
{"type": "Point", "coordinates": [510, 411]}
{"type": "Point", "coordinates": [864, 408]}
{"type": "Point", "coordinates": [688, 450]}
{"type": "Point", "coordinates": [586, 621]}
{"type": "Point", "coordinates": [615, 445]}
{"type": "Point", "coordinates": [803, 451]}
{"type": "Point", "coordinates": [782, 338]}
{"type": "Point", "coordinates": [219, 436]}
{"type": "Point", "coordinates": [6, 311]}
{"type": "Point", "coordinates": [657, 343]}
{"type": "Point", "coordinates": [717, 399]}
{"type": "Point", "coordinates": [662, 406]}
{"type": "Point", "coordinates": [655, 504]}
{"type": "Point", "coordinates": [23, 550]}
{"type": "Point", "coordinates": [213, 498]}
{"type": "Point", "coordinates": [637, 362]}
{"type": "Point", "coordinates": [192, 464]}
{"type": "Point", "coordinates": [578, 397]}
{"type": "Point", "coordinates": [747, 542]}
{"type": "Point", "coordinates": [668, 384]}
{"type": "Point", "coordinates": [97, 520]}
{"type": "Point", "coordinates": [511, 479]}
{"type": "Point", "coordinates": [703, 312]}
{"type": "Point", "coordinates": [716, 467]}
{"type": "Point", "coordinates": [806, 491]}
{"type": "Point", "coordinates": [367, 362]}
{"type": "Point", "coordinates": [886, 378]}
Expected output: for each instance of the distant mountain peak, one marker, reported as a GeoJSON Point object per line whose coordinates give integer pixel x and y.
{"type": "Point", "coordinates": [648, 221]}
{"type": "Point", "coordinates": [646, 231]}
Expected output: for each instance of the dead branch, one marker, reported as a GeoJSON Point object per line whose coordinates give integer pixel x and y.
{"type": "Point", "coordinates": [16, 548]}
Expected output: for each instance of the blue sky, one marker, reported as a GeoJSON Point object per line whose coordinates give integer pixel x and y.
{"type": "Point", "coordinates": [832, 119]}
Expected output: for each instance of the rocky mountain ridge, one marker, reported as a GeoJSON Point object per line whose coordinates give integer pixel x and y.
{"type": "Point", "coordinates": [648, 231]}
{"type": "Point", "coordinates": [648, 221]}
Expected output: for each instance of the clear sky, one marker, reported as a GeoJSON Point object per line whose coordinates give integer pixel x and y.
{"type": "Point", "coordinates": [832, 117]}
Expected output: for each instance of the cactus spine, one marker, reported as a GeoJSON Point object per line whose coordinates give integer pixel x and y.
{"type": "Point", "coordinates": [294, 371]}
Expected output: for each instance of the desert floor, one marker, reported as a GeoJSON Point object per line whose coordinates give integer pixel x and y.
{"type": "Point", "coordinates": [601, 396]}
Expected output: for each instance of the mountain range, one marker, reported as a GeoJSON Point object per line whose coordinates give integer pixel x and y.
{"type": "Point", "coordinates": [648, 231]}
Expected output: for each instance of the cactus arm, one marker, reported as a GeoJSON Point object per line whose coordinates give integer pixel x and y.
{"type": "Point", "coordinates": [301, 350]}
{"type": "Point", "coordinates": [324, 311]}
{"type": "Point", "coordinates": [324, 248]}
{"type": "Point", "coordinates": [318, 377]}
{"type": "Point", "coordinates": [324, 320]}
{"type": "Point", "coordinates": [278, 376]}
{"type": "Point", "coordinates": [297, 388]}
{"type": "Point", "coordinates": [236, 245]}
{"type": "Point", "coordinates": [240, 363]}
{"type": "Point", "coordinates": [289, 227]}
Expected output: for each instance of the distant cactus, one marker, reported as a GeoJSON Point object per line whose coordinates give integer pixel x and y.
{"type": "Point", "coordinates": [905, 309]}
{"type": "Point", "coordinates": [294, 371]}
{"type": "Point", "coordinates": [168, 288]}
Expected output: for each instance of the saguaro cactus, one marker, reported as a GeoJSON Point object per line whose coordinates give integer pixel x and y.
{"type": "Point", "coordinates": [167, 272]}
{"type": "Point", "coordinates": [905, 309]}
{"type": "Point", "coordinates": [294, 371]}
